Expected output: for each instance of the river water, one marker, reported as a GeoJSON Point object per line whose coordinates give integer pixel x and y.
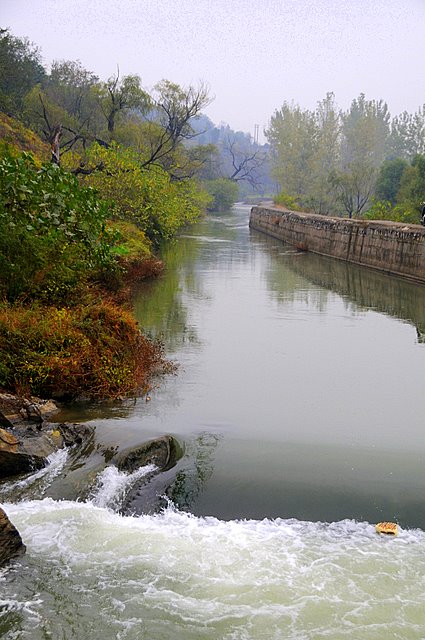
{"type": "Point", "coordinates": [298, 404]}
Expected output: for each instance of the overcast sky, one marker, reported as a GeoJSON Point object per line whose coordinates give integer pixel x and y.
{"type": "Point", "coordinates": [254, 54]}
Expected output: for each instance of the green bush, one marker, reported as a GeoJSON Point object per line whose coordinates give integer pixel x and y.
{"type": "Point", "coordinates": [147, 196]}
{"type": "Point", "coordinates": [223, 192]}
{"type": "Point", "coordinates": [53, 231]}
{"type": "Point", "coordinates": [384, 210]}
{"type": "Point", "coordinates": [287, 201]}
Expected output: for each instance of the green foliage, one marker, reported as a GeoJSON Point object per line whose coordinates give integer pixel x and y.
{"type": "Point", "coordinates": [412, 183]}
{"type": "Point", "coordinates": [292, 134]}
{"type": "Point", "coordinates": [93, 349]}
{"type": "Point", "coordinates": [53, 231]}
{"type": "Point", "coordinates": [131, 241]}
{"type": "Point", "coordinates": [223, 192]}
{"type": "Point", "coordinates": [305, 150]}
{"type": "Point", "coordinates": [384, 210]}
{"type": "Point", "coordinates": [147, 197]}
{"type": "Point", "coordinates": [20, 70]}
{"type": "Point", "coordinates": [119, 96]}
{"type": "Point", "coordinates": [287, 201]}
{"type": "Point", "coordinates": [389, 179]}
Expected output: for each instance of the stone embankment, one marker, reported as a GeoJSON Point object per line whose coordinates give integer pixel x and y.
{"type": "Point", "coordinates": [394, 248]}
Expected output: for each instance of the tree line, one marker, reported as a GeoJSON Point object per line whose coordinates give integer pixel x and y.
{"type": "Point", "coordinates": [360, 162]}
{"type": "Point", "coordinates": [72, 109]}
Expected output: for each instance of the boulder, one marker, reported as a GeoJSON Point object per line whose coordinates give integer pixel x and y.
{"type": "Point", "coordinates": [27, 438]}
{"type": "Point", "coordinates": [16, 411]}
{"type": "Point", "coordinates": [162, 452]}
{"type": "Point", "coordinates": [27, 449]}
{"type": "Point", "coordinates": [145, 494]}
{"type": "Point", "coordinates": [13, 457]}
{"type": "Point", "coordinates": [11, 545]}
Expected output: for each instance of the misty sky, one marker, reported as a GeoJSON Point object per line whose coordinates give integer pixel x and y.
{"type": "Point", "coordinates": [253, 54]}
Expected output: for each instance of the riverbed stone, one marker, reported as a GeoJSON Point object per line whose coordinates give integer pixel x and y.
{"type": "Point", "coordinates": [11, 545]}
{"type": "Point", "coordinates": [15, 458]}
{"type": "Point", "coordinates": [27, 438]}
{"type": "Point", "coordinates": [162, 452]}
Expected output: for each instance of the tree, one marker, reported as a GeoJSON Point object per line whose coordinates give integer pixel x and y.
{"type": "Point", "coordinates": [292, 135]}
{"type": "Point", "coordinates": [65, 110]}
{"type": "Point", "coordinates": [364, 144]}
{"type": "Point", "coordinates": [224, 193]}
{"type": "Point", "coordinates": [407, 138]}
{"type": "Point", "coordinates": [20, 70]}
{"type": "Point", "coordinates": [389, 179]}
{"type": "Point", "coordinates": [326, 156]}
{"type": "Point", "coordinates": [354, 187]}
{"type": "Point", "coordinates": [245, 163]}
{"type": "Point", "coordinates": [412, 184]}
{"type": "Point", "coordinates": [146, 196]}
{"type": "Point", "coordinates": [170, 120]}
{"type": "Point", "coordinates": [120, 96]}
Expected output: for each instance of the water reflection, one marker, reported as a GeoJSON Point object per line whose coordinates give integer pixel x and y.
{"type": "Point", "coordinates": [297, 365]}
{"type": "Point", "coordinates": [162, 309]}
{"type": "Point", "coordinates": [197, 471]}
{"type": "Point", "coordinates": [361, 288]}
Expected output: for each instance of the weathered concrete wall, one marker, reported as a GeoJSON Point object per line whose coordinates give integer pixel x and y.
{"type": "Point", "coordinates": [391, 247]}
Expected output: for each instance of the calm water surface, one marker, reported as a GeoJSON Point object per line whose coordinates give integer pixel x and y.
{"type": "Point", "coordinates": [299, 406]}
{"type": "Point", "coordinates": [301, 379]}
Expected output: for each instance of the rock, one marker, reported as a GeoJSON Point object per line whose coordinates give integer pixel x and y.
{"type": "Point", "coordinates": [27, 439]}
{"type": "Point", "coordinates": [28, 450]}
{"type": "Point", "coordinates": [16, 411]}
{"type": "Point", "coordinates": [5, 422]}
{"type": "Point", "coordinates": [162, 452]}
{"type": "Point", "coordinates": [11, 545]}
{"type": "Point", "coordinates": [31, 412]}
{"type": "Point", "coordinates": [15, 458]}
{"type": "Point", "coordinates": [145, 494]}
{"type": "Point", "coordinates": [8, 440]}
{"type": "Point", "coordinates": [73, 433]}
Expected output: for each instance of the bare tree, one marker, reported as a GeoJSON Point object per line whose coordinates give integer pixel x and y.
{"type": "Point", "coordinates": [245, 164]}
{"type": "Point", "coordinates": [174, 108]}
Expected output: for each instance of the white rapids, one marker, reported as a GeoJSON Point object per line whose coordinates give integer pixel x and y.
{"type": "Point", "coordinates": [90, 573]}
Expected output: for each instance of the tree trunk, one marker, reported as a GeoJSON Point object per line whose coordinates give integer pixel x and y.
{"type": "Point", "coordinates": [54, 145]}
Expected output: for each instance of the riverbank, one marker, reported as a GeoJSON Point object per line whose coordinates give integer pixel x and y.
{"type": "Point", "coordinates": [394, 248]}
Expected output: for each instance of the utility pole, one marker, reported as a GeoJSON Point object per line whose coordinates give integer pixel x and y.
{"type": "Point", "coordinates": [256, 133]}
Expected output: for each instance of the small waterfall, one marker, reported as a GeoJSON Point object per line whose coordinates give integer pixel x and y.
{"type": "Point", "coordinates": [36, 483]}
{"type": "Point", "coordinates": [113, 484]}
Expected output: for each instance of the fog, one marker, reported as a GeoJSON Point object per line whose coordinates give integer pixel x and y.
{"type": "Point", "coordinates": [253, 54]}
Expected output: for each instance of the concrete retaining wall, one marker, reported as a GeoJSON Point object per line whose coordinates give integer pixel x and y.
{"type": "Point", "coordinates": [394, 248]}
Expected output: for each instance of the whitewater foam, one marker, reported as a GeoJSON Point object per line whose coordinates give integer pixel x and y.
{"type": "Point", "coordinates": [36, 482]}
{"type": "Point", "coordinates": [174, 575]}
{"type": "Point", "coordinates": [113, 484]}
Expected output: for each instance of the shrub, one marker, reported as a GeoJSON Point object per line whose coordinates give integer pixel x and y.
{"type": "Point", "coordinates": [53, 232]}
{"type": "Point", "coordinates": [287, 201]}
{"type": "Point", "coordinates": [223, 192]}
{"type": "Point", "coordinates": [384, 210]}
{"type": "Point", "coordinates": [94, 350]}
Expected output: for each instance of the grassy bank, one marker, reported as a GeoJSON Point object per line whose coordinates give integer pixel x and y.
{"type": "Point", "coordinates": [93, 350]}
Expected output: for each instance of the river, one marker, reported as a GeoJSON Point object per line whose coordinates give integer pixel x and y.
{"type": "Point", "coordinates": [298, 404]}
